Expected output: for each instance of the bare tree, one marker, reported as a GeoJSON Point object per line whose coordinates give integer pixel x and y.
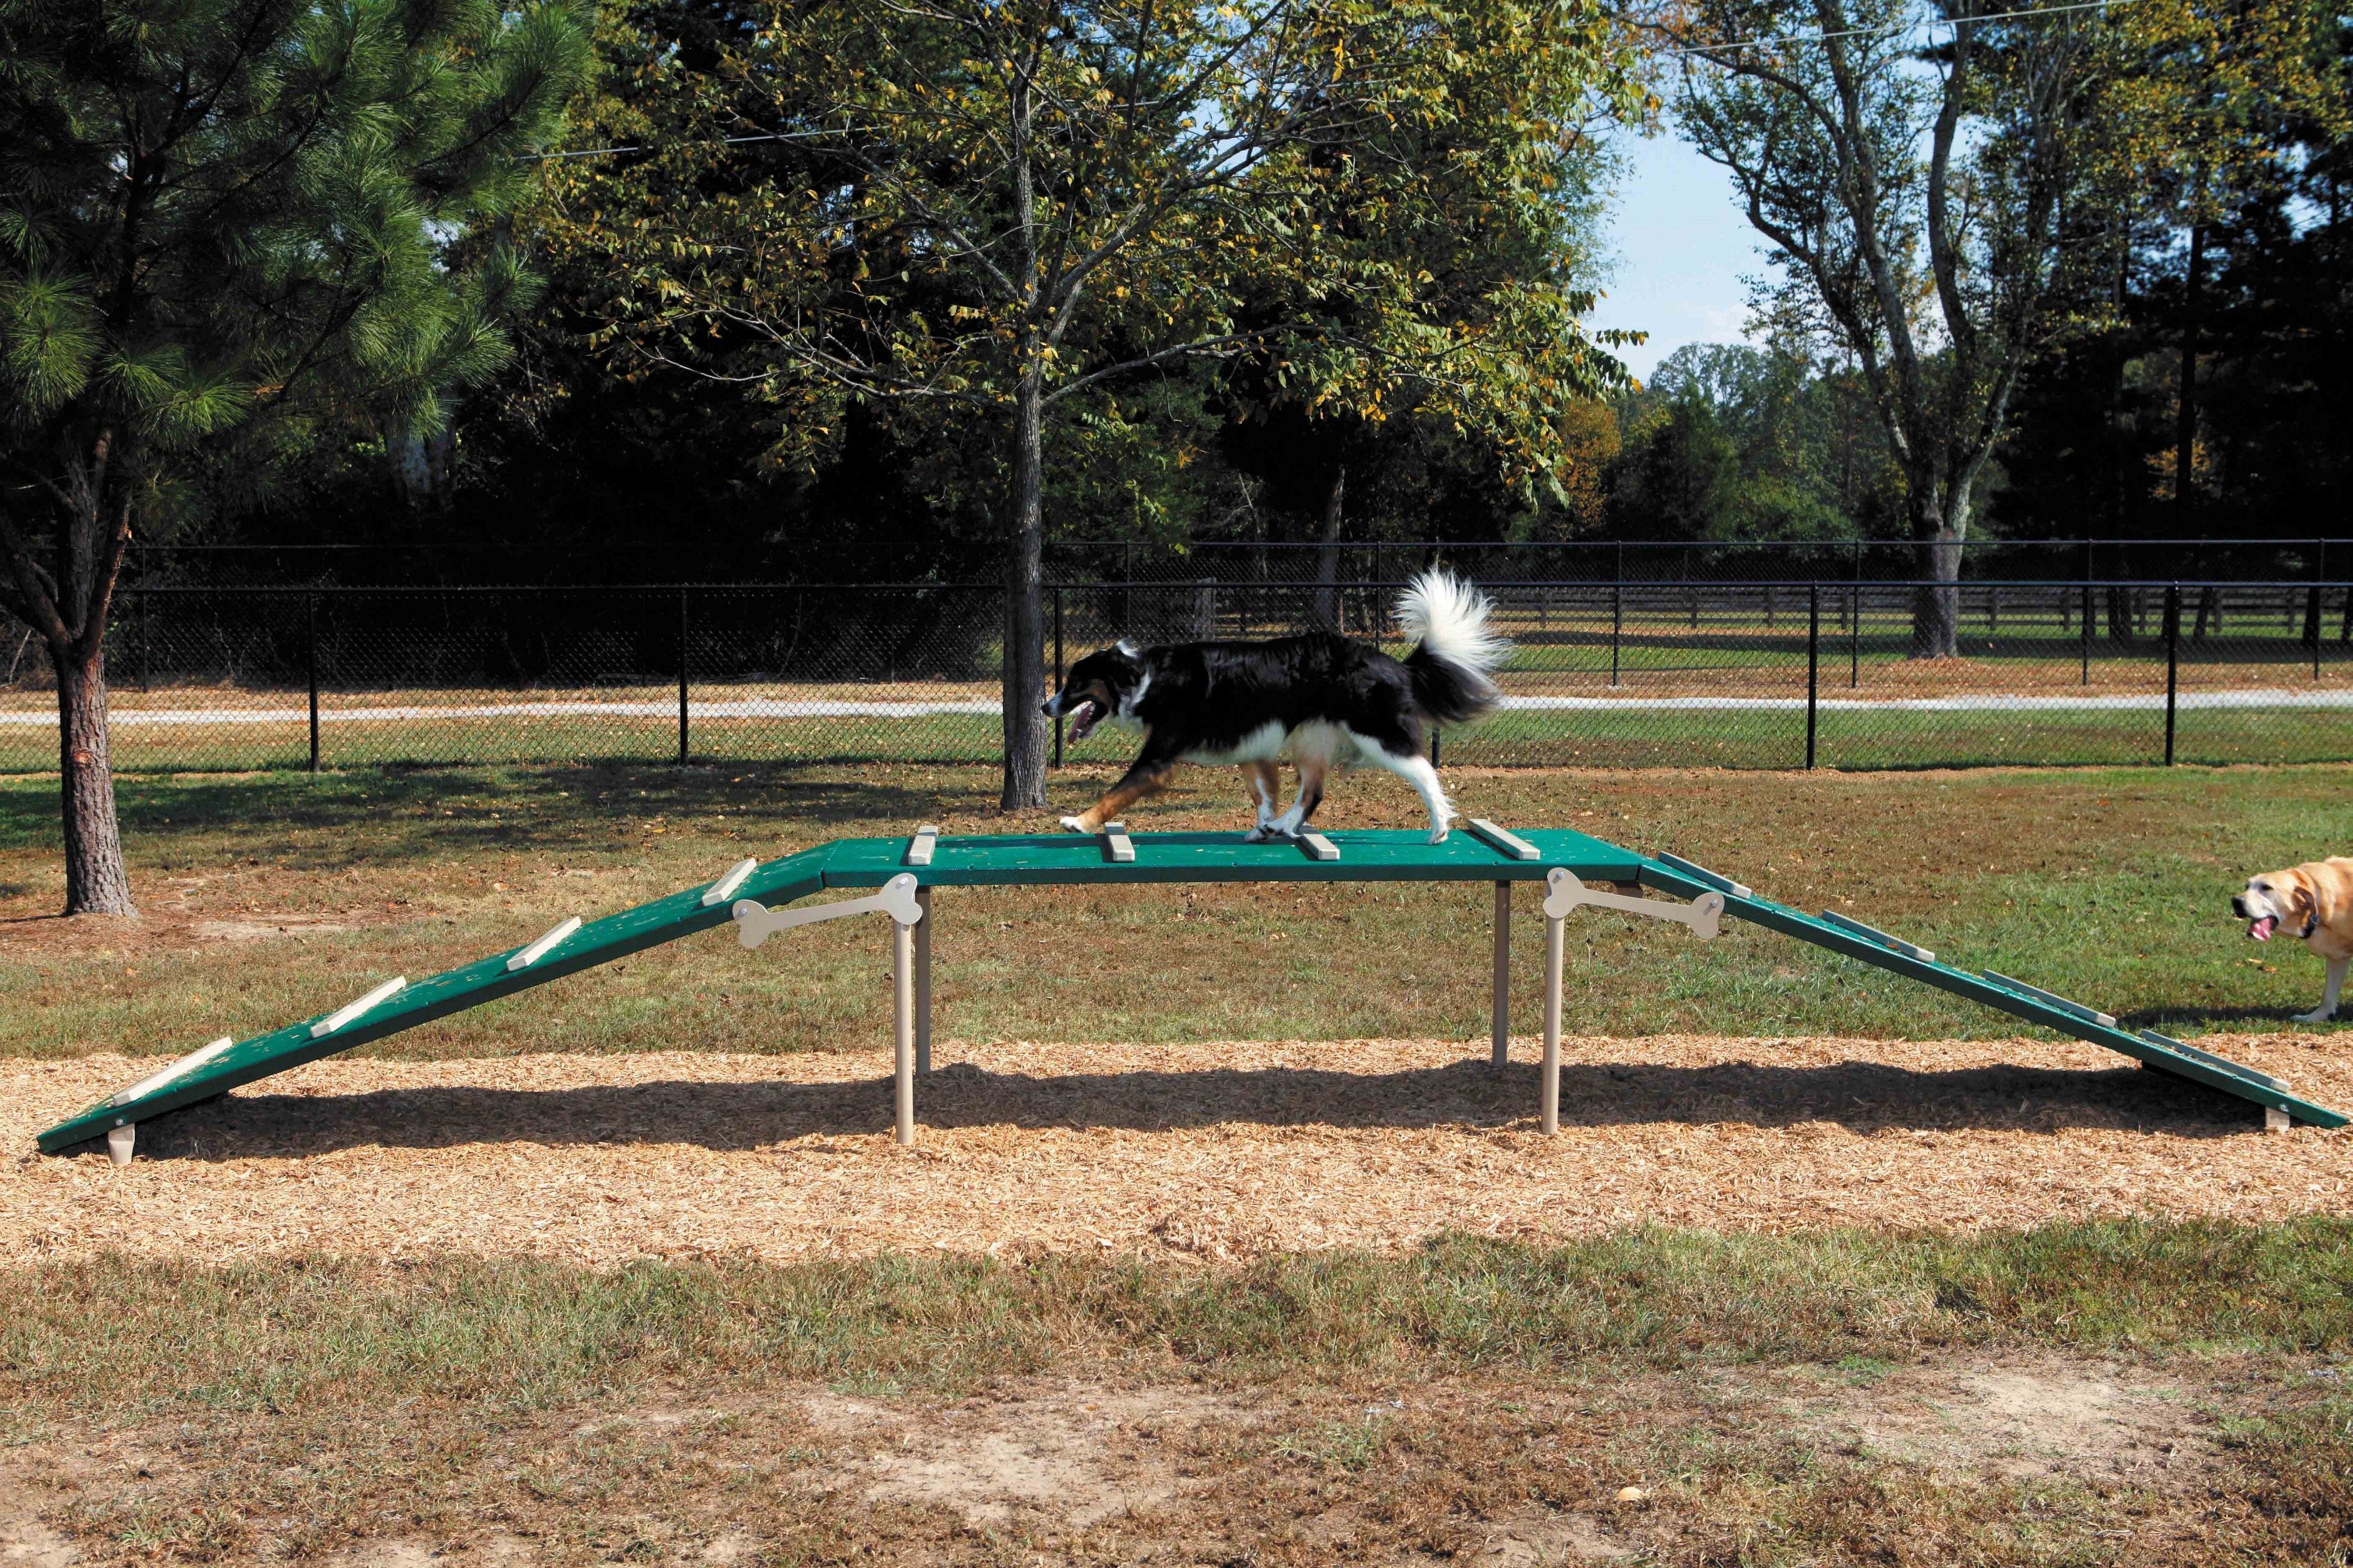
{"type": "Point", "coordinates": [1921, 177]}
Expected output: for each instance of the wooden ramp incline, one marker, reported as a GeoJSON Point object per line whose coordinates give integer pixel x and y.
{"type": "Point", "coordinates": [1481, 854]}
{"type": "Point", "coordinates": [2015, 997]}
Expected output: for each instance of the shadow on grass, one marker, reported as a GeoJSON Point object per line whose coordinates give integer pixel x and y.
{"type": "Point", "coordinates": [393, 814]}
{"type": "Point", "coordinates": [2263, 1020]}
{"type": "Point", "coordinates": [1863, 1097]}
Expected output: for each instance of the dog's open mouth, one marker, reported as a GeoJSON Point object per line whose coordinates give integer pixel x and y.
{"type": "Point", "coordinates": [1083, 720]}
{"type": "Point", "coordinates": [2261, 929]}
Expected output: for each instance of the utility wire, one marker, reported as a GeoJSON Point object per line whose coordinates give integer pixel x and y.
{"type": "Point", "coordinates": [1885, 31]}
{"type": "Point", "coordinates": [714, 141]}
{"type": "Point", "coordinates": [1720, 47]}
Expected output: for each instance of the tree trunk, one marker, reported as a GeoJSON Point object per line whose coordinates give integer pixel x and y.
{"type": "Point", "coordinates": [1936, 602]}
{"type": "Point", "coordinates": [96, 881]}
{"type": "Point", "coordinates": [1327, 559]}
{"type": "Point", "coordinates": [1024, 613]}
{"type": "Point", "coordinates": [2185, 417]}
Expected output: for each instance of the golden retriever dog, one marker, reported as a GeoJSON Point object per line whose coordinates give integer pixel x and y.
{"type": "Point", "coordinates": [2314, 902]}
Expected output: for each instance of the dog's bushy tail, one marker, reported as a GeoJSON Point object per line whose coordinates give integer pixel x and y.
{"type": "Point", "coordinates": [1456, 654]}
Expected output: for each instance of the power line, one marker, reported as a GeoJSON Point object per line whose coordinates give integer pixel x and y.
{"type": "Point", "coordinates": [707, 142]}
{"type": "Point", "coordinates": [1885, 31]}
{"type": "Point", "coordinates": [1725, 44]}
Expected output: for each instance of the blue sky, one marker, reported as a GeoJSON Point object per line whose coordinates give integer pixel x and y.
{"type": "Point", "coordinates": [1683, 247]}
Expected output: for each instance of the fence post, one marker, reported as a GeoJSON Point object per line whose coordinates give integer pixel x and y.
{"type": "Point", "coordinates": [681, 674]}
{"type": "Point", "coordinates": [310, 664]}
{"type": "Point", "coordinates": [1058, 671]}
{"type": "Point", "coordinates": [2172, 662]}
{"type": "Point", "coordinates": [1617, 619]}
{"type": "Point", "coordinates": [1813, 664]}
{"type": "Point", "coordinates": [2086, 653]}
{"type": "Point", "coordinates": [1854, 637]}
{"type": "Point", "coordinates": [2312, 601]}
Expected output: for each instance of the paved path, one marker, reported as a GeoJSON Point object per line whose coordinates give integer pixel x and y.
{"type": "Point", "coordinates": [785, 708]}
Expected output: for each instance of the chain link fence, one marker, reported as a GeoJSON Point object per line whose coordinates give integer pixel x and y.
{"type": "Point", "coordinates": [1615, 672]}
{"type": "Point", "coordinates": [1241, 562]}
{"type": "Point", "coordinates": [1731, 562]}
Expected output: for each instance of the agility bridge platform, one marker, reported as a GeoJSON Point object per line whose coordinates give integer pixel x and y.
{"type": "Point", "coordinates": [897, 876]}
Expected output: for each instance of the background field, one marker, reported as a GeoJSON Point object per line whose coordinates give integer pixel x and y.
{"type": "Point", "coordinates": [271, 897]}
{"type": "Point", "coordinates": [2079, 1393]}
{"type": "Point", "coordinates": [1639, 674]}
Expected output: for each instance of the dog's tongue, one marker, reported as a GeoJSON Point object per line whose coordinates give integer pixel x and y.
{"type": "Point", "coordinates": [2262, 929]}
{"type": "Point", "coordinates": [1082, 720]}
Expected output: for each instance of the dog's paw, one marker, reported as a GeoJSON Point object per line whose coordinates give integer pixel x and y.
{"type": "Point", "coordinates": [1258, 836]}
{"type": "Point", "coordinates": [1438, 835]}
{"type": "Point", "coordinates": [2317, 1015]}
{"type": "Point", "coordinates": [1072, 824]}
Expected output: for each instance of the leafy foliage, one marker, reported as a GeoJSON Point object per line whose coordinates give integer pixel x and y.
{"type": "Point", "coordinates": [1922, 200]}
{"type": "Point", "coordinates": [1005, 212]}
{"type": "Point", "coordinates": [227, 226]}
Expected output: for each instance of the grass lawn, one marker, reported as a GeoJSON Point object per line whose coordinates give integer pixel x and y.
{"type": "Point", "coordinates": [272, 897]}
{"type": "Point", "coordinates": [2103, 1393]}
{"type": "Point", "coordinates": [2119, 1393]}
{"type": "Point", "coordinates": [1635, 736]}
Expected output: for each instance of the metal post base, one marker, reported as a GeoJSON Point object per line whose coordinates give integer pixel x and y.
{"type": "Point", "coordinates": [903, 989]}
{"type": "Point", "coordinates": [1563, 896]}
{"type": "Point", "coordinates": [1556, 945]}
{"type": "Point", "coordinates": [924, 981]}
{"type": "Point", "coordinates": [1502, 1052]}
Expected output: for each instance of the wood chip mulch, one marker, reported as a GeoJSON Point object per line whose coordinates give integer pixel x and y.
{"type": "Point", "coordinates": [1214, 1152]}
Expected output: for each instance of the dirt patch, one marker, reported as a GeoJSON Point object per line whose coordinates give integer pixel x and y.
{"type": "Point", "coordinates": [263, 927]}
{"type": "Point", "coordinates": [1216, 1153]}
{"type": "Point", "coordinates": [1079, 1454]}
{"type": "Point", "coordinates": [1093, 1466]}
{"type": "Point", "coordinates": [2090, 1421]}
{"type": "Point", "coordinates": [25, 1541]}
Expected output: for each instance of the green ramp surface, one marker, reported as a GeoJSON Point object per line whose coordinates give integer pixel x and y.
{"type": "Point", "coordinates": [1065, 858]}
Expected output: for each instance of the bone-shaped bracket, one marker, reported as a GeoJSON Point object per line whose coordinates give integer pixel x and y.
{"type": "Point", "coordinates": [756, 922]}
{"type": "Point", "coordinates": [1564, 892]}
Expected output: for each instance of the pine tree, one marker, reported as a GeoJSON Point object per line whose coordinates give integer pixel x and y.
{"type": "Point", "coordinates": [227, 226]}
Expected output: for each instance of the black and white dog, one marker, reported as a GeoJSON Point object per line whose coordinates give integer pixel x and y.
{"type": "Point", "coordinates": [1320, 698]}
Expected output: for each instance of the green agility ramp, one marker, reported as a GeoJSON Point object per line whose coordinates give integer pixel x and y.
{"type": "Point", "coordinates": [899, 875]}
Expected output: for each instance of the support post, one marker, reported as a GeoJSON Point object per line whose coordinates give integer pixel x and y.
{"type": "Point", "coordinates": [2085, 655]}
{"type": "Point", "coordinates": [681, 676]}
{"type": "Point", "coordinates": [1556, 944]}
{"type": "Point", "coordinates": [1617, 616]}
{"type": "Point", "coordinates": [924, 981]}
{"type": "Point", "coordinates": [1058, 671]}
{"type": "Point", "coordinates": [1502, 1051]}
{"type": "Point", "coordinates": [2312, 601]}
{"type": "Point", "coordinates": [311, 665]}
{"type": "Point", "coordinates": [1854, 638]}
{"type": "Point", "coordinates": [2172, 663]}
{"type": "Point", "coordinates": [121, 1142]}
{"type": "Point", "coordinates": [1813, 667]}
{"type": "Point", "coordinates": [902, 987]}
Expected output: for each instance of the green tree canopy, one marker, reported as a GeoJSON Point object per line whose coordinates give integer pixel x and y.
{"type": "Point", "coordinates": [225, 226]}
{"type": "Point", "coordinates": [1005, 212]}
